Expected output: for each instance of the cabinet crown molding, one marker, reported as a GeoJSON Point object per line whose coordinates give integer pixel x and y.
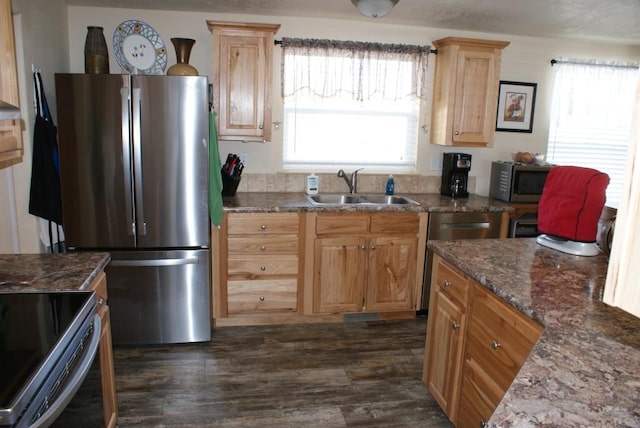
{"type": "Point", "coordinates": [477, 43]}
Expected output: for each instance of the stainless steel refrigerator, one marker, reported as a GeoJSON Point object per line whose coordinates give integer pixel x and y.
{"type": "Point", "coordinates": [134, 175]}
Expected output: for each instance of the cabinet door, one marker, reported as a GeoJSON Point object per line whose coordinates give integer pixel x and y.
{"type": "Point", "coordinates": [392, 269]}
{"type": "Point", "coordinates": [499, 339]}
{"type": "Point", "coordinates": [242, 86]}
{"type": "Point", "coordinates": [443, 353]}
{"type": "Point", "coordinates": [10, 130]}
{"type": "Point", "coordinates": [340, 275]}
{"type": "Point", "coordinates": [475, 97]}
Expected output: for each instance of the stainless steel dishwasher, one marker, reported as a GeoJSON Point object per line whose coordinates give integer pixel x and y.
{"type": "Point", "coordinates": [452, 226]}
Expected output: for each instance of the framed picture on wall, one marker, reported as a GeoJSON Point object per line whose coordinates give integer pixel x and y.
{"type": "Point", "coordinates": [516, 104]}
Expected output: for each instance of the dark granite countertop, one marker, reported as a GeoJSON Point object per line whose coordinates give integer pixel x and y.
{"type": "Point", "coordinates": [584, 370]}
{"type": "Point", "coordinates": [50, 272]}
{"type": "Point", "coordinates": [246, 202]}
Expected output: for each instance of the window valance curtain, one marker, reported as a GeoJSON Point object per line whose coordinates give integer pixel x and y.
{"type": "Point", "coordinates": [361, 70]}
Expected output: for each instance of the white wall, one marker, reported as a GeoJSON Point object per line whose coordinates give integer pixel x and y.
{"type": "Point", "coordinates": [526, 59]}
{"type": "Point", "coordinates": [41, 39]}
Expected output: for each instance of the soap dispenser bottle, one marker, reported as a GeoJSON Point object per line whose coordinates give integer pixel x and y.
{"type": "Point", "coordinates": [312, 184]}
{"type": "Point", "coordinates": [390, 186]}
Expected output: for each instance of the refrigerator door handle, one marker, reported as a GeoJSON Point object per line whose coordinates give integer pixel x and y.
{"type": "Point", "coordinates": [155, 262]}
{"type": "Point", "coordinates": [126, 160]}
{"type": "Point", "coordinates": [141, 224]}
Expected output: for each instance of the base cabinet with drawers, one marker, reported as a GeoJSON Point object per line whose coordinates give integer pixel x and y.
{"type": "Point", "coordinates": [476, 344]}
{"type": "Point", "coordinates": [256, 272]}
{"type": "Point", "coordinates": [306, 267]}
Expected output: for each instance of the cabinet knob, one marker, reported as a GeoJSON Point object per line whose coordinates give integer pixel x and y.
{"type": "Point", "coordinates": [495, 345]}
{"type": "Point", "coordinates": [455, 325]}
{"type": "Point", "coordinates": [260, 126]}
{"type": "Point", "coordinates": [263, 227]}
{"type": "Point", "coordinates": [373, 247]}
{"type": "Point", "coordinates": [363, 247]}
{"type": "Point", "coordinates": [101, 301]}
{"type": "Point", "coordinates": [262, 298]}
{"type": "Point", "coordinates": [446, 283]}
{"type": "Point", "coordinates": [263, 248]}
{"type": "Point", "coordinates": [456, 132]}
{"type": "Point", "coordinates": [263, 268]}
{"type": "Point", "coordinates": [483, 424]}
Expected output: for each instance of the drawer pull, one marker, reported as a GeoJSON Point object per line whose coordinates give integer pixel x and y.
{"type": "Point", "coordinates": [263, 268]}
{"type": "Point", "coordinates": [455, 325]}
{"type": "Point", "coordinates": [263, 248]}
{"type": "Point", "coordinates": [262, 298]}
{"type": "Point", "coordinates": [263, 227]}
{"type": "Point", "coordinates": [446, 283]}
{"type": "Point", "coordinates": [363, 247]}
{"type": "Point", "coordinates": [373, 247]}
{"type": "Point", "coordinates": [495, 345]}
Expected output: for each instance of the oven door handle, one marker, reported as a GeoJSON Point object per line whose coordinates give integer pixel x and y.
{"type": "Point", "coordinates": [74, 381]}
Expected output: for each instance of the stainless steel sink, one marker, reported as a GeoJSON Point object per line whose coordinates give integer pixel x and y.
{"type": "Point", "coordinates": [389, 200]}
{"type": "Point", "coordinates": [356, 199]}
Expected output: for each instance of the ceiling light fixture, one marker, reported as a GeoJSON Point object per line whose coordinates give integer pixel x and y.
{"type": "Point", "coordinates": [374, 8]}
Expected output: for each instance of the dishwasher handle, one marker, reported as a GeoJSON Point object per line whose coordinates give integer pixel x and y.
{"type": "Point", "coordinates": [467, 225]}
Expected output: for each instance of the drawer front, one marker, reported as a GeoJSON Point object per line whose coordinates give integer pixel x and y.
{"type": "Point", "coordinates": [395, 223]}
{"type": "Point", "coordinates": [342, 223]}
{"type": "Point", "coordinates": [452, 283]}
{"type": "Point", "coordinates": [479, 397]}
{"type": "Point", "coordinates": [250, 224]}
{"type": "Point", "coordinates": [262, 296]}
{"type": "Point", "coordinates": [499, 337]}
{"type": "Point", "coordinates": [267, 244]}
{"type": "Point", "coordinates": [250, 267]}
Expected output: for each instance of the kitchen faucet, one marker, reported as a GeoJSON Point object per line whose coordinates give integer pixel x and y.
{"type": "Point", "coordinates": [351, 182]}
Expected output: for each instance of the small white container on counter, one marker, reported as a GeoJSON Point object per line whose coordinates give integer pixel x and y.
{"type": "Point", "coordinates": [312, 184]}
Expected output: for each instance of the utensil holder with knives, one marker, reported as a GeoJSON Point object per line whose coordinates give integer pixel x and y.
{"type": "Point", "coordinates": [231, 173]}
{"type": "Point", "coordinates": [229, 183]}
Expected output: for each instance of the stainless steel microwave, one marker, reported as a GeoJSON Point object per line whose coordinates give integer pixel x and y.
{"type": "Point", "coordinates": [517, 182]}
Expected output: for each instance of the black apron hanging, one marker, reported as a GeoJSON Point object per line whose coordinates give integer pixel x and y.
{"type": "Point", "coordinates": [45, 198]}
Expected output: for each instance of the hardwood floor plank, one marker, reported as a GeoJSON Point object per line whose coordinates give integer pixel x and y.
{"type": "Point", "coordinates": [356, 374]}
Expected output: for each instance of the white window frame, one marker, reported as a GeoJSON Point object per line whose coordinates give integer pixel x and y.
{"type": "Point", "coordinates": [372, 119]}
{"type": "Point", "coordinates": [591, 115]}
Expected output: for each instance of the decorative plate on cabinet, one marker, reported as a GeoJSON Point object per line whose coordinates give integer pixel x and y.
{"type": "Point", "coordinates": [139, 49]}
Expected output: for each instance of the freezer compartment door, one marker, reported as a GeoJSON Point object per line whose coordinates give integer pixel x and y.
{"type": "Point", "coordinates": [159, 297]}
{"type": "Point", "coordinates": [95, 163]}
{"type": "Point", "coordinates": [170, 136]}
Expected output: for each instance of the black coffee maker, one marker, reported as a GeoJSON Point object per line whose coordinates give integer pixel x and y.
{"type": "Point", "coordinates": [455, 174]}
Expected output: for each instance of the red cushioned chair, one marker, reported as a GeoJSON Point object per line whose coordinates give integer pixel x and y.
{"type": "Point", "coordinates": [570, 206]}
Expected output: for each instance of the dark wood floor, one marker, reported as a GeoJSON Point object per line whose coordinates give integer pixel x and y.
{"type": "Point", "coordinates": [360, 374]}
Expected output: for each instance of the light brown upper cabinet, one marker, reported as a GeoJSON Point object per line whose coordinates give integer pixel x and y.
{"type": "Point", "coordinates": [242, 79]}
{"type": "Point", "coordinates": [10, 129]}
{"type": "Point", "coordinates": [465, 96]}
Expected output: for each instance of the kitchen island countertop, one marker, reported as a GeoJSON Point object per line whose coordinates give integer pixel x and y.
{"type": "Point", "coordinates": [584, 369]}
{"type": "Point", "coordinates": [50, 272]}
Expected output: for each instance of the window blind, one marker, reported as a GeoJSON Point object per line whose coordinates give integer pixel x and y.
{"type": "Point", "coordinates": [591, 116]}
